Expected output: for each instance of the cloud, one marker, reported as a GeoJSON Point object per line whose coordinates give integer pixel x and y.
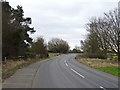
{"type": "Point", "coordinates": [64, 19]}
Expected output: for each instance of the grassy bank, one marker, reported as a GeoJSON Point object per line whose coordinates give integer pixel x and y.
{"type": "Point", "coordinates": [105, 65]}
{"type": "Point", "coordinates": [54, 54]}
{"type": "Point", "coordinates": [11, 66]}
{"type": "Point", "coordinates": [111, 70]}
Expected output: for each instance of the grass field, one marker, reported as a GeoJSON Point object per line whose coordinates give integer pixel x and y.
{"type": "Point", "coordinates": [105, 65]}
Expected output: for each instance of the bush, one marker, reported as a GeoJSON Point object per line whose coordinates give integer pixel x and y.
{"type": "Point", "coordinates": [30, 55]}
{"type": "Point", "coordinates": [115, 57]}
{"type": "Point", "coordinates": [100, 56]}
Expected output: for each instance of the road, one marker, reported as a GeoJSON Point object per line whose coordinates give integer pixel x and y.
{"type": "Point", "coordinates": [65, 72]}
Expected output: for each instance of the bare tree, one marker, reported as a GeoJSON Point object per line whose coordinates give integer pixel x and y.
{"type": "Point", "coordinates": [58, 46]}
{"type": "Point", "coordinates": [104, 34]}
{"type": "Point", "coordinates": [112, 31]}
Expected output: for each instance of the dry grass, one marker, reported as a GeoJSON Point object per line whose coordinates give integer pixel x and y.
{"type": "Point", "coordinates": [11, 66]}
{"type": "Point", "coordinates": [93, 62]}
{"type": "Point", "coordinates": [106, 65]}
{"type": "Point", "coordinates": [54, 54]}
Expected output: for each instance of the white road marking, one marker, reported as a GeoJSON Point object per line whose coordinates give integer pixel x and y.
{"type": "Point", "coordinates": [77, 73]}
{"type": "Point", "coordinates": [102, 88]}
{"type": "Point", "coordinates": [66, 63]}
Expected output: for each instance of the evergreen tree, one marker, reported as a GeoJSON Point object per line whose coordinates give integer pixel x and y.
{"type": "Point", "coordinates": [15, 40]}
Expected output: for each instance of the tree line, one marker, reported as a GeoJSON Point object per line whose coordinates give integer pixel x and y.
{"type": "Point", "coordinates": [57, 45]}
{"type": "Point", "coordinates": [16, 40]}
{"type": "Point", "coordinates": [15, 28]}
{"type": "Point", "coordinates": [104, 36]}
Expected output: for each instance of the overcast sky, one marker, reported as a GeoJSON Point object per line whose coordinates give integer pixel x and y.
{"type": "Point", "coordinates": [65, 19]}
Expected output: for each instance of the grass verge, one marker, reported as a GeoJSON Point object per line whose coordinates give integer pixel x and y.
{"type": "Point", "coordinates": [11, 66]}
{"type": "Point", "coordinates": [105, 65]}
{"type": "Point", "coordinates": [111, 70]}
{"type": "Point", "coordinates": [54, 54]}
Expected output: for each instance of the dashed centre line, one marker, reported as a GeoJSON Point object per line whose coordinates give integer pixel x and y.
{"type": "Point", "coordinates": [66, 63]}
{"type": "Point", "coordinates": [102, 88]}
{"type": "Point", "coordinates": [80, 74]}
{"type": "Point", "coordinates": [77, 73]}
{"type": "Point", "coordinates": [74, 70]}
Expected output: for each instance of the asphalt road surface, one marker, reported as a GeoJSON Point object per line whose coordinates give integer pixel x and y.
{"type": "Point", "coordinates": [65, 72]}
{"type": "Point", "coordinates": [61, 72]}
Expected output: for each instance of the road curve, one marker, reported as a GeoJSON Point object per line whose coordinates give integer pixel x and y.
{"type": "Point", "coordinates": [65, 72]}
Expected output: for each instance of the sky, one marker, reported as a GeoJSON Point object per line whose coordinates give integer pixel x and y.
{"type": "Point", "coordinates": [65, 19]}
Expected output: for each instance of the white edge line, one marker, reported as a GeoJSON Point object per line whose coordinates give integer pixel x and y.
{"type": "Point", "coordinates": [77, 73]}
